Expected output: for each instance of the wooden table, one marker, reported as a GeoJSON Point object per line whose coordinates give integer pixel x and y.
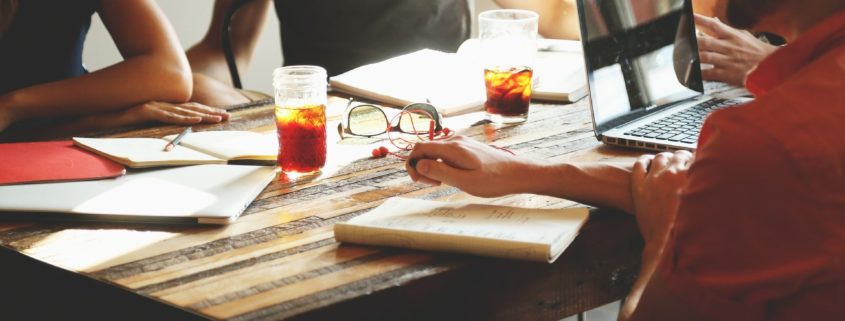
{"type": "Point", "coordinates": [280, 261]}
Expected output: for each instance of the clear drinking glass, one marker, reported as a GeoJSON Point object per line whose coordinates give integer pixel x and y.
{"type": "Point", "coordinates": [300, 93]}
{"type": "Point", "coordinates": [508, 46]}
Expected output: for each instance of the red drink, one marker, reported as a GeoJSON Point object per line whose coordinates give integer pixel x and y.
{"type": "Point", "coordinates": [508, 91]}
{"type": "Point", "coordinates": [302, 138]}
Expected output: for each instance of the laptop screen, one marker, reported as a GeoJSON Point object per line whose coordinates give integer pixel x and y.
{"type": "Point", "coordinates": [639, 55]}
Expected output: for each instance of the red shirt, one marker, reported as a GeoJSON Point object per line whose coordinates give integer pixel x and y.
{"type": "Point", "coordinates": [760, 231]}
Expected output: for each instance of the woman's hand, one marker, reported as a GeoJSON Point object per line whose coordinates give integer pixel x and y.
{"type": "Point", "coordinates": [733, 53]}
{"type": "Point", "coordinates": [465, 163]}
{"type": "Point", "coordinates": [656, 183]}
{"type": "Point", "coordinates": [176, 114]}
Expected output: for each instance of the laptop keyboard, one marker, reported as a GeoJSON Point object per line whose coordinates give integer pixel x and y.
{"type": "Point", "coordinates": [683, 126]}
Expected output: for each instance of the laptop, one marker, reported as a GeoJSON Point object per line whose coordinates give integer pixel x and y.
{"type": "Point", "coordinates": [643, 73]}
{"type": "Point", "coordinates": [201, 194]}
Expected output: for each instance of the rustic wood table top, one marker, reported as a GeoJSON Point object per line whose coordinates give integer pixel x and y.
{"type": "Point", "coordinates": [280, 260]}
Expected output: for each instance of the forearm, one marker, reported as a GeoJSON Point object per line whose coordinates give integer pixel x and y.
{"type": "Point", "coordinates": [206, 57]}
{"type": "Point", "coordinates": [136, 80]}
{"type": "Point", "coordinates": [597, 184]}
{"type": "Point", "coordinates": [558, 18]}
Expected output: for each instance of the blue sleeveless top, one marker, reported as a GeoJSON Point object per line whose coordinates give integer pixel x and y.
{"type": "Point", "coordinates": [44, 42]}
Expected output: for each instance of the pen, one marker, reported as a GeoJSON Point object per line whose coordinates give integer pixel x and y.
{"type": "Point", "coordinates": [172, 144]}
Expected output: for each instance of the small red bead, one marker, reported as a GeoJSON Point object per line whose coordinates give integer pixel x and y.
{"type": "Point", "coordinates": [383, 150]}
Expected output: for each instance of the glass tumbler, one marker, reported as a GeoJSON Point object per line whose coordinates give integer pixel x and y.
{"type": "Point", "coordinates": [300, 94]}
{"type": "Point", "coordinates": [508, 44]}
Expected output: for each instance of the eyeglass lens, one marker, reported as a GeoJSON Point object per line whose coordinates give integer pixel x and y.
{"type": "Point", "coordinates": [414, 121]}
{"type": "Point", "coordinates": [367, 120]}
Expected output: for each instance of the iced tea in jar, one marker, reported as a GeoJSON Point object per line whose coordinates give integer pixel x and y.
{"type": "Point", "coordinates": [508, 44]}
{"type": "Point", "coordinates": [300, 93]}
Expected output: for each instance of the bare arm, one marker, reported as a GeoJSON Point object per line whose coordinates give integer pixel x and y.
{"type": "Point", "coordinates": [206, 57]}
{"type": "Point", "coordinates": [558, 18]}
{"type": "Point", "coordinates": [154, 68]}
{"type": "Point", "coordinates": [484, 171]}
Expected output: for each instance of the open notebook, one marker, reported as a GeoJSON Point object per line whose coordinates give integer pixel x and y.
{"type": "Point", "coordinates": [211, 147]}
{"type": "Point", "coordinates": [454, 83]}
{"type": "Point", "coordinates": [202, 194]}
{"type": "Point", "coordinates": [488, 230]}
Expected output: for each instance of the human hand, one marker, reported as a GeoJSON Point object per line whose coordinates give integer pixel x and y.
{"type": "Point", "coordinates": [465, 163]}
{"type": "Point", "coordinates": [656, 182]}
{"type": "Point", "coordinates": [168, 113]}
{"type": "Point", "coordinates": [732, 52]}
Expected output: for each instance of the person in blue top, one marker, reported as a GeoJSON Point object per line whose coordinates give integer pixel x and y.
{"type": "Point", "coordinates": [42, 76]}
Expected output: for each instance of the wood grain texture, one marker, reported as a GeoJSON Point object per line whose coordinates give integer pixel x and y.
{"type": "Point", "coordinates": [280, 260]}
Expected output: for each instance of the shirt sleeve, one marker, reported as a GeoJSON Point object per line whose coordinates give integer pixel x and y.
{"type": "Point", "coordinates": [735, 246]}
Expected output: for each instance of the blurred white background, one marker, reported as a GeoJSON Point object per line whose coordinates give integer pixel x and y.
{"type": "Point", "coordinates": [190, 18]}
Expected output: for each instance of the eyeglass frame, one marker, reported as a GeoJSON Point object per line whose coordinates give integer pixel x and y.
{"type": "Point", "coordinates": [343, 126]}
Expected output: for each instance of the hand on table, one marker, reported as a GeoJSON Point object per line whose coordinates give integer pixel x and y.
{"type": "Point", "coordinates": [168, 113]}
{"type": "Point", "coordinates": [655, 186]}
{"type": "Point", "coordinates": [465, 163]}
{"type": "Point", "coordinates": [732, 52]}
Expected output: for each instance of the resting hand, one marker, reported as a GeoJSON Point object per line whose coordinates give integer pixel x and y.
{"type": "Point", "coordinates": [733, 53]}
{"type": "Point", "coordinates": [168, 113]}
{"type": "Point", "coordinates": [465, 163]}
{"type": "Point", "coordinates": [656, 183]}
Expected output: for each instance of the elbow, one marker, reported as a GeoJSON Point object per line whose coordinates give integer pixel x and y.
{"type": "Point", "coordinates": [176, 85]}
{"type": "Point", "coordinates": [172, 81]}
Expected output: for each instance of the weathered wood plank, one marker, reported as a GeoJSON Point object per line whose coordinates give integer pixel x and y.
{"type": "Point", "coordinates": [280, 295]}
{"type": "Point", "coordinates": [247, 253]}
{"type": "Point", "coordinates": [202, 292]}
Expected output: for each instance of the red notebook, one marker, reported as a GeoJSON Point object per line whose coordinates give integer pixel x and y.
{"type": "Point", "coordinates": [41, 162]}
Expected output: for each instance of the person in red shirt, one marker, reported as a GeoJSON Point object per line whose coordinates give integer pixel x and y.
{"type": "Point", "coordinates": [751, 227]}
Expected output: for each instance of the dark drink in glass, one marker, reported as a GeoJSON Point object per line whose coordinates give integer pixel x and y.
{"type": "Point", "coordinates": [508, 94]}
{"type": "Point", "coordinates": [302, 138]}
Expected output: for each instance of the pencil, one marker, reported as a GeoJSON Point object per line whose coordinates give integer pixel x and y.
{"type": "Point", "coordinates": [172, 144]}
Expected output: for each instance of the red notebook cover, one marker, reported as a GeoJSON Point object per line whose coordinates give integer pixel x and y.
{"type": "Point", "coordinates": [41, 162]}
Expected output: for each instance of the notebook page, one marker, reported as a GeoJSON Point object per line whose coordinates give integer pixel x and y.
{"type": "Point", "coordinates": [233, 145]}
{"type": "Point", "coordinates": [474, 228]}
{"type": "Point", "coordinates": [144, 152]}
{"type": "Point", "coordinates": [449, 81]}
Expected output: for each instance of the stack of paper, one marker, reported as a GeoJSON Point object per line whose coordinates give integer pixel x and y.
{"type": "Point", "coordinates": [489, 230]}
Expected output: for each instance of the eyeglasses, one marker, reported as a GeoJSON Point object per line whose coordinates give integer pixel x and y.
{"type": "Point", "coordinates": [370, 120]}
